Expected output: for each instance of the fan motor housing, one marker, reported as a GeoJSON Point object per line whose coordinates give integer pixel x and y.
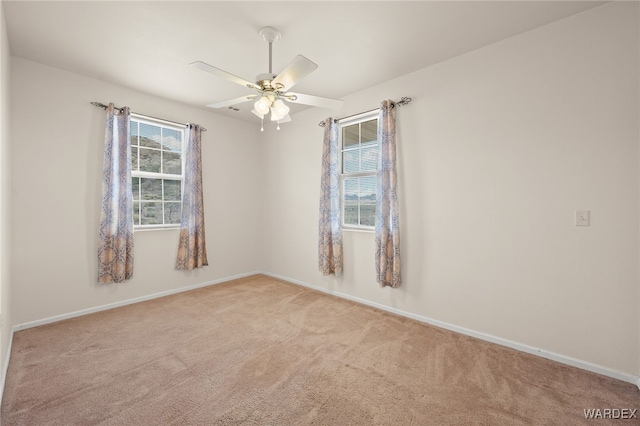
{"type": "Point", "coordinates": [264, 80]}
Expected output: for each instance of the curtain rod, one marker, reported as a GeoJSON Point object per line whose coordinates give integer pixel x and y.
{"type": "Point", "coordinates": [402, 102]}
{"type": "Point", "coordinates": [103, 106]}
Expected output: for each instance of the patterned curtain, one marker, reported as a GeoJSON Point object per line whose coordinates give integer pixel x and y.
{"type": "Point", "coordinates": [192, 248]}
{"type": "Point", "coordinates": [115, 251]}
{"type": "Point", "coordinates": [387, 222]}
{"type": "Point", "coordinates": [330, 223]}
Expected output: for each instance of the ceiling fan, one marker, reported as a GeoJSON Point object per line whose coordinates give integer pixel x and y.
{"type": "Point", "coordinates": [273, 89]}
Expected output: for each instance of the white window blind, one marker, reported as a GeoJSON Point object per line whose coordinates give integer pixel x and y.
{"type": "Point", "coordinates": [359, 162]}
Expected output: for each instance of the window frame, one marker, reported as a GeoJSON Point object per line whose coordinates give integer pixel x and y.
{"type": "Point", "coordinates": [153, 175]}
{"type": "Point", "coordinates": [356, 119]}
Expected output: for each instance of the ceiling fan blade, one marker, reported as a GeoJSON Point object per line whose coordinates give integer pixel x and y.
{"type": "Point", "coordinates": [220, 73]}
{"type": "Point", "coordinates": [234, 101]}
{"type": "Point", "coordinates": [298, 68]}
{"type": "Point", "coordinates": [312, 100]}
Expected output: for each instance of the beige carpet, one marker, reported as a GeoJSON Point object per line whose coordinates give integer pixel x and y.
{"type": "Point", "coordinates": [259, 351]}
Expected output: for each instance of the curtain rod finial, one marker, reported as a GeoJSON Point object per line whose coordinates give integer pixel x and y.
{"type": "Point", "coordinates": [100, 105]}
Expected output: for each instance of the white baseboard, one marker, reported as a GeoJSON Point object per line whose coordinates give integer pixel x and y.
{"type": "Point", "coordinates": [126, 302]}
{"type": "Point", "coordinates": [5, 367]}
{"type": "Point", "coordinates": [605, 371]}
{"type": "Point", "coordinates": [87, 311]}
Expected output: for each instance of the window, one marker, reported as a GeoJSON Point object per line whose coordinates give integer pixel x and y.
{"type": "Point", "coordinates": [359, 164]}
{"type": "Point", "coordinates": [156, 172]}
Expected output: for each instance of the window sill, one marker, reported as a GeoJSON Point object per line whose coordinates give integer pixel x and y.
{"type": "Point", "coordinates": [156, 228]}
{"type": "Point", "coordinates": [365, 230]}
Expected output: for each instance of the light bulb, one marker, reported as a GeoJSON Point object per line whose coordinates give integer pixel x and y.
{"type": "Point", "coordinates": [262, 105]}
{"type": "Point", "coordinates": [274, 115]}
{"type": "Point", "coordinates": [281, 108]}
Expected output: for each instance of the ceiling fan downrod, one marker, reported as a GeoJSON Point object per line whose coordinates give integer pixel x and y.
{"type": "Point", "coordinates": [271, 35]}
{"type": "Point", "coordinates": [270, 99]}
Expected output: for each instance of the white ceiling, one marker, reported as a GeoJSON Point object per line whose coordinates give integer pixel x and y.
{"type": "Point", "coordinates": [148, 45]}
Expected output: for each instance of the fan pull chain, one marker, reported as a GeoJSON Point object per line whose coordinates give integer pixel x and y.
{"type": "Point", "coordinates": [262, 124]}
{"type": "Point", "coordinates": [278, 128]}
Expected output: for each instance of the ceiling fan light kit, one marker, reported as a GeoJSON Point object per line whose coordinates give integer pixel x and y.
{"type": "Point", "coordinates": [279, 109]}
{"type": "Point", "coordinates": [262, 105]}
{"type": "Point", "coordinates": [273, 89]}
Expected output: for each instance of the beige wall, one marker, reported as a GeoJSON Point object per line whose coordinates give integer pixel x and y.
{"type": "Point", "coordinates": [5, 195]}
{"type": "Point", "coordinates": [57, 150]}
{"type": "Point", "coordinates": [496, 152]}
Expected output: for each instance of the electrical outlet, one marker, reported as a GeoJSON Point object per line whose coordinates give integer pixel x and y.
{"type": "Point", "coordinates": [583, 218]}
